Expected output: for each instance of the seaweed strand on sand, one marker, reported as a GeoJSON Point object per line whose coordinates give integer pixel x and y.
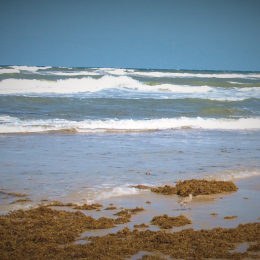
{"type": "Point", "coordinates": [196, 187]}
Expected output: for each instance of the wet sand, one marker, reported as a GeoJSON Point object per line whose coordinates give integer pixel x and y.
{"type": "Point", "coordinates": [244, 204]}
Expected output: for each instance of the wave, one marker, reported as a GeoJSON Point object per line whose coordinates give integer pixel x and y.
{"type": "Point", "coordinates": [74, 85]}
{"type": "Point", "coordinates": [159, 74]}
{"type": "Point", "coordinates": [123, 87]}
{"type": "Point", "coordinates": [101, 194]}
{"type": "Point", "coordinates": [18, 69]}
{"type": "Point", "coordinates": [15, 125]}
{"type": "Point", "coordinates": [31, 68]}
{"type": "Point", "coordinates": [66, 71]}
{"type": "Point", "coordinates": [72, 73]}
{"type": "Point", "coordinates": [234, 174]}
{"type": "Point", "coordinates": [9, 70]}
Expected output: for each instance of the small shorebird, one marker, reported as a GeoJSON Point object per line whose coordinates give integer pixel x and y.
{"type": "Point", "coordinates": [186, 200]}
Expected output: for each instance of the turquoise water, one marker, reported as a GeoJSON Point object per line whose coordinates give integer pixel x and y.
{"type": "Point", "coordinates": [90, 133]}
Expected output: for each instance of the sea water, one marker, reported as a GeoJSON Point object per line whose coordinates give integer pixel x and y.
{"type": "Point", "coordinates": [71, 134]}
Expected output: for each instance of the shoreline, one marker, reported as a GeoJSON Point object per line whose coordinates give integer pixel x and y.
{"type": "Point", "coordinates": [238, 202]}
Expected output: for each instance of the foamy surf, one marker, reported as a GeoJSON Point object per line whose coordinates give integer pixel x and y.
{"type": "Point", "coordinates": [18, 69]}
{"type": "Point", "coordinates": [98, 195]}
{"type": "Point", "coordinates": [68, 86]}
{"type": "Point", "coordinates": [160, 74]}
{"type": "Point", "coordinates": [235, 174]}
{"type": "Point", "coordinates": [124, 86]}
{"type": "Point", "coordinates": [15, 125]}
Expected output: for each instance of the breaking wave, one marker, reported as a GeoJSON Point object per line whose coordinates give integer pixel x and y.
{"type": "Point", "coordinates": [15, 125]}
{"type": "Point", "coordinates": [74, 85]}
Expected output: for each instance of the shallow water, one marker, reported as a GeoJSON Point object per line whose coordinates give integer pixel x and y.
{"type": "Point", "coordinates": [72, 167]}
{"type": "Point", "coordinates": [70, 134]}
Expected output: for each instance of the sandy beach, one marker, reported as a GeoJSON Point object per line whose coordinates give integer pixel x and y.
{"type": "Point", "coordinates": [206, 212]}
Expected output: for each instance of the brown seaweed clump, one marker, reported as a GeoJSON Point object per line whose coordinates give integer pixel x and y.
{"type": "Point", "coordinates": [28, 234]}
{"type": "Point", "coordinates": [21, 200]}
{"type": "Point", "coordinates": [185, 244]}
{"type": "Point", "coordinates": [197, 187]}
{"type": "Point", "coordinates": [123, 219]}
{"type": "Point", "coordinates": [39, 234]}
{"type": "Point", "coordinates": [60, 204]}
{"type": "Point", "coordinates": [165, 221]}
{"type": "Point", "coordinates": [128, 212]}
{"type": "Point", "coordinates": [123, 212]}
{"type": "Point", "coordinates": [89, 207]}
{"type": "Point", "coordinates": [15, 194]}
{"type": "Point", "coordinates": [166, 190]}
{"type": "Point", "coordinates": [136, 209]}
{"type": "Point", "coordinates": [254, 248]}
{"type": "Point", "coordinates": [141, 187]}
{"type": "Point", "coordinates": [93, 206]}
{"type": "Point", "coordinates": [110, 208]}
{"type": "Point", "coordinates": [143, 225]}
{"type": "Point", "coordinates": [230, 217]}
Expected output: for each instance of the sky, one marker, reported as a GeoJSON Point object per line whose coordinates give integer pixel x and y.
{"type": "Point", "coordinates": [148, 34]}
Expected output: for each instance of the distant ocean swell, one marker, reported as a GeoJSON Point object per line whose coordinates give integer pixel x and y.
{"type": "Point", "coordinates": [131, 72]}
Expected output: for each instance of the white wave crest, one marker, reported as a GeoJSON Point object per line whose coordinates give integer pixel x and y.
{"type": "Point", "coordinates": [5, 70]}
{"type": "Point", "coordinates": [18, 69]}
{"type": "Point", "coordinates": [159, 74]}
{"type": "Point", "coordinates": [15, 125]}
{"type": "Point", "coordinates": [69, 86]}
{"type": "Point", "coordinates": [115, 192]}
{"type": "Point", "coordinates": [31, 68]}
{"type": "Point", "coordinates": [72, 73]}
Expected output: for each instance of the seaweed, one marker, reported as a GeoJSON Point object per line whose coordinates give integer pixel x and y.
{"type": "Point", "coordinates": [254, 248]}
{"type": "Point", "coordinates": [21, 200]}
{"type": "Point", "coordinates": [166, 190]}
{"type": "Point", "coordinates": [136, 209]}
{"type": "Point", "coordinates": [197, 187]}
{"type": "Point", "coordinates": [129, 212]}
{"type": "Point", "coordinates": [141, 187]}
{"type": "Point", "coordinates": [74, 205]}
{"type": "Point", "coordinates": [122, 220]}
{"type": "Point", "coordinates": [123, 212]}
{"type": "Point", "coordinates": [230, 217]}
{"type": "Point", "coordinates": [110, 208]}
{"type": "Point", "coordinates": [45, 233]}
{"type": "Point", "coordinates": [143, 225]}
{"type": "Point", "coordinates": [165, 221]}
{"type": "Point", "coordinates": [60, 204]}
{"type": "Point", "coordinates": [96, 206]}
{"type": "Point", "coordinates": [15, 194]}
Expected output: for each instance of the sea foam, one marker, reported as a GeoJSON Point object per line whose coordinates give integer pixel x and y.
{"type": "Point", "coordinates": [160, 74]}
{"type": "Point", "coordinates": [74, 85]}
{"type": "Point", "coordinates": [15, 125]}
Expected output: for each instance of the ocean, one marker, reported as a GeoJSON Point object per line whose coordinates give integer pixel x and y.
{"type": "Point", "coordinates": [71, 134]}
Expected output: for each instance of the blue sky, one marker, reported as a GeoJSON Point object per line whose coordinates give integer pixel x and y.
{"type": "Point", "coordinates": [160, 34]}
